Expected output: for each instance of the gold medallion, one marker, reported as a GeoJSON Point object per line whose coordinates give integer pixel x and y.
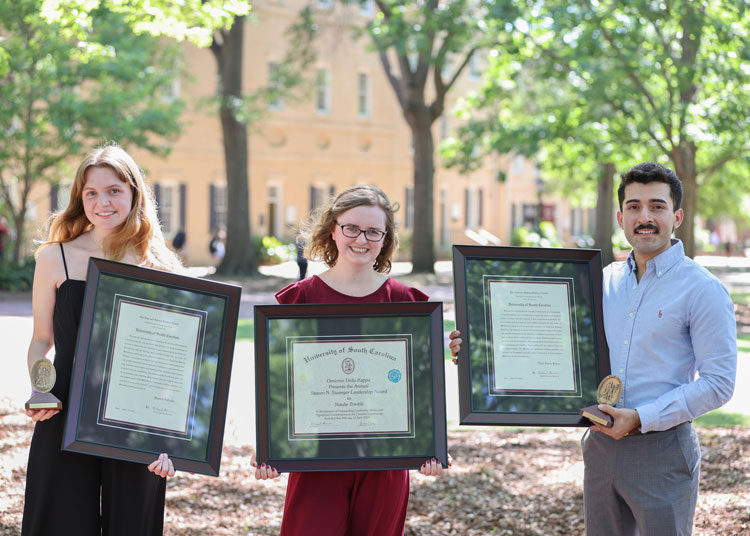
{"type": "Point", "coordinates": [609, 391]}
{"type": "Point", "coordinates": [43, 375]}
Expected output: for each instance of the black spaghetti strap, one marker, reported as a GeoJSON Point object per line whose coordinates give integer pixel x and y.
{"type": "Point", "coordinates": [65, 264]}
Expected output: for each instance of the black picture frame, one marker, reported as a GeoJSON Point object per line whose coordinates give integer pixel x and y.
{"type": "Point", "coordinates": [126, 403]}
{"type": "Point", "coordinates": [507, 378]}
{"type": "Point", "coordinates": [387, 358]}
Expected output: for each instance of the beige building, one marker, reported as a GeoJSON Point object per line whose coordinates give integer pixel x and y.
{"type": "Point", "coordinates": [349, 131]}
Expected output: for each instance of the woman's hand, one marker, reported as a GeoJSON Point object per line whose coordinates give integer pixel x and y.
{"type": "Point", "coordinates": [162, 467]}
{"type": "Point", "coordinates": [433, 467]}
{"type": "Point", "coordinates": [264, 472]}
{"type": "Point", "coordinates": [455, 345]}
{"type": "Point", "coordinates": [41, 414]}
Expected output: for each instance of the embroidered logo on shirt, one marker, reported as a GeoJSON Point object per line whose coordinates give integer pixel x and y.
{"type": "Point", "coordinates": [660, 313]}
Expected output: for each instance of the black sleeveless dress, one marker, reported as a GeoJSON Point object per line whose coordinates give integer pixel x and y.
{"type": "Point", "coordinates": [70, 493]}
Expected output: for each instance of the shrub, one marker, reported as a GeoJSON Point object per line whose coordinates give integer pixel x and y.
{"type": "Point", "coordinates": [15, 277]}
{"type": "Point", "coordinates": [271, 250]}
{"type": "Point", "coordinates": [619, 242]}
{"type": "Point", "coordinates": [546, 237]}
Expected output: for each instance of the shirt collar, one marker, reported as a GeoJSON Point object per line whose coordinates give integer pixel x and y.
{"type": "Point", "coordinates": [664, 260]}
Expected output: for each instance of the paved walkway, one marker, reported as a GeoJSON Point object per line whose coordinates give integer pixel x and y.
{"type": "Point", "coordinates": [19, 303]}
{"type": "Point", "coordinates": [16, 326]}
{"type": "Point", "coordinates": [734, 272]}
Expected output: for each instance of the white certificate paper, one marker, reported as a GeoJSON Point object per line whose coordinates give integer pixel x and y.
{"type": "Point", "coordinates": [152, 366]}
{"type": "Point", "coordinates": [350, 387]}
{"type": "Point", "coordinates": [532, 338]}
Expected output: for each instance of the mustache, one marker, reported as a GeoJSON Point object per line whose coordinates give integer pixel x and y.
{"type": "Point", "coordinates": [646, 227]}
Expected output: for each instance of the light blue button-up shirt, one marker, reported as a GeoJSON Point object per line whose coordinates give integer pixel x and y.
{"type": "Point", "coordinates": [678, 320]}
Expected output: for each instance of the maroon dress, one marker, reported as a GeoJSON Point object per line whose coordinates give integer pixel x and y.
{"type": "Point", "coordinates": [346, 503]}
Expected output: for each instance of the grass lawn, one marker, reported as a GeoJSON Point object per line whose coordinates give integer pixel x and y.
{"type": "Point", "coordinates": [245, 329]}
{"type": "Point", "coordinates": [722, 419]}
{"type": "Point", "coordinates": [719, 418]}
{"type": "Point", "coordinates": [743, 343]}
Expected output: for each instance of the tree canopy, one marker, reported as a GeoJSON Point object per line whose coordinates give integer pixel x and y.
{"type": "Point", "coordinates": [58, 94]}
{"type": "Point", "coordinates": [217, 24]}
{"type": "Point", "coordinates": [194, 20]}
{"type": "Point", "coordinates": [643, 81]}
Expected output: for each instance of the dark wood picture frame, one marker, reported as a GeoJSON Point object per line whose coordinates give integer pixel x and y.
{"type": "Point", "coordinates": [212, 308]}
{"type": "Point", "coordinates": [475, 268]}
{"type": "Point", "coordinates": [420, 323]}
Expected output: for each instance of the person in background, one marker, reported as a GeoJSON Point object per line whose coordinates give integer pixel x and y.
{"type": "Point", "coordinates": [111, 214]}
{"type": "Point", "coordinates": [179, 244]}
{"type": "Point", "coordinates": [666, 318]}
{"type": "Point", "coordinates": [3, 235]}
{"type": "Point", "coordinates": [216, 246]}
{"type": "Point", "coordinates": [355, 235]}
{"type": "Point", "coordinates": [301, 259]}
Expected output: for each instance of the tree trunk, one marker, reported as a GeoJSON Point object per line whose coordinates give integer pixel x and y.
{"type": "Point", "coordinates": [604, 212]}
{"type": "Point", "coordinates": [18, 222]}
{"type": "Point", "coordinates": [19, 215]}
{"type": "Point", "coordinates": [683, 158]}
{"type": "Point", "coordinates": [229, 56]}
{"type": "Point", "coordinates": [423, 237]}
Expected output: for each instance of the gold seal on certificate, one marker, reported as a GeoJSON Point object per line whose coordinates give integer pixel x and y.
{"type": "Point", "coordinates": [608, 392]}
{"type": "Point", "coordinates": [43, 378]}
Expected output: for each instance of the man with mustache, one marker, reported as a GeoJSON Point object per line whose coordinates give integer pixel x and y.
{"type": "Point", "coordinates": [665, 318]}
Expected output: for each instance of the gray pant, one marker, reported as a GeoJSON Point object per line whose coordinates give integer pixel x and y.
{"type": "Point", "coordinates": [642, 484]}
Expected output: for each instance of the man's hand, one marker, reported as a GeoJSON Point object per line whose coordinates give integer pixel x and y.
{"type": "Point", "coordinates": [625, 421]}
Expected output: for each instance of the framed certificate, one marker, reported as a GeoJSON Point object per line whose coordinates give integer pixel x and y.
{"type": "Point", "coordinates": [152, 367]}
{"type": "Point", "coordinates": [534, 349]}
{"type": "Point", "coordinates": [350, 386]}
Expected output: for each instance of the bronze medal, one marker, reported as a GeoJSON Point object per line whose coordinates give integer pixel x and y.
{"type": "Point", "coordinates": [43, 378]}
{"type": "Point", "coordinates": [43, 375]}
{"type": "Point", "coordinates": [609, 391]}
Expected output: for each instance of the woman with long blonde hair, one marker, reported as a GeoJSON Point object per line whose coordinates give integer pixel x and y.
{"type": "Point", "coordinates": [111, 214]}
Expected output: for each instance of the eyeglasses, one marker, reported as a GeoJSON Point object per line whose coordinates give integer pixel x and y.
{"type": "Point", "coordinates": [352, 231]}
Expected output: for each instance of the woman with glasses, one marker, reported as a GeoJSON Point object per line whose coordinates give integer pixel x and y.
{"type": "Point", "coordinates": [355, 236]}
